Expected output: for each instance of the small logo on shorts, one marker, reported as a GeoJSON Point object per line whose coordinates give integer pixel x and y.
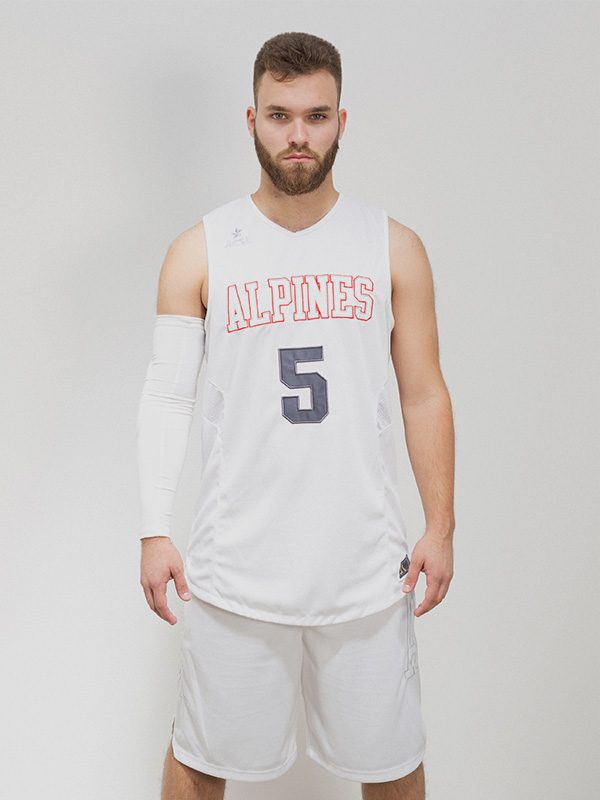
{"type": "Point", "coordinates": [404, 564]}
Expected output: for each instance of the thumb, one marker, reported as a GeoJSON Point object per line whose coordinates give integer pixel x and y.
{"type": "Point", "coordinates": [181, 584]}
{"type": "Point", "coordinates": [411, 577]}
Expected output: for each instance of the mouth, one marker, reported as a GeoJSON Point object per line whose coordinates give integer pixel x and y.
{"type": "Point", "coordinates": [299, 158]}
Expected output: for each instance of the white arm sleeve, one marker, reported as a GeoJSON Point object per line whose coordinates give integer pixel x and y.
{"type": "Point", "coordinates": [165, 416]}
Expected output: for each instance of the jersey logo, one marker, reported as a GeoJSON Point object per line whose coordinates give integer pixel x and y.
{"type": "Point", "coordinates": [236, 237]}
{"type": "Point", "coordinates": [404, 564]}
{"type": "Point", "coordinates": [300, 297]}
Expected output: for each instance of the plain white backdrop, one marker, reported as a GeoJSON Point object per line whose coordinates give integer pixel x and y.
{"type": "Point", "coordinates": [475, 124]}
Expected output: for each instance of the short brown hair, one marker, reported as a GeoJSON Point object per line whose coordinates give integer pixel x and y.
{"type": "Point", "coordinates": [293, 53]}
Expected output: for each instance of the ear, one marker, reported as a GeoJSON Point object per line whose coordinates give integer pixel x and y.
{"type": "Point", "coordinates": [343, 116]}
{"type": "Point", "coordinates": [250, 119]}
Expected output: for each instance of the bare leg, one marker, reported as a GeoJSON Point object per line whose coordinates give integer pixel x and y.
{"type": "Point", "coordinates": [181, 782]}
{"type": "Point", "coordinates": [410, 787]}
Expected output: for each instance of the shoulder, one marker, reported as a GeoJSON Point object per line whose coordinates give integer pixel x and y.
{"type": "Point", "coordinates": [189, 245]}
{"type": "Point", "coordinates": [403, 238]}
{"type": "Point", "coordinates": [408, 257]}
{"type": "Point", "coordinates": [186, 254]}
{"type": "Point", "coordinates": [183, 273]}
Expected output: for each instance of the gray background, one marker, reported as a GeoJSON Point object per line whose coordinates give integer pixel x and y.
{"type": "Point", "coordinates": [475, 124]}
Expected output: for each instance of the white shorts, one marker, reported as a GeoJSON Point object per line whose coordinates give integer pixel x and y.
{"type": "Point", "coordinates": [238, 701]}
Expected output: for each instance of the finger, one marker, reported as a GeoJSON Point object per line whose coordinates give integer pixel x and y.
{"type": "Point", "coordinates": [149, 597]}
{"type": "Point", "coordinates": [412, 576]}
{"type": "Point", "coordinates": [444, 590]}
{"type": "Point", "coordinates": [160, 604]}
{"type": "Point", "coordinates": [431, 599]}
{"type": "Point", "coordinates": [180, 583]}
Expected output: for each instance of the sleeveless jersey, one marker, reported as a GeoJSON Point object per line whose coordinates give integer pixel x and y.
{"type": "Point", "coordinates": [299, 519]}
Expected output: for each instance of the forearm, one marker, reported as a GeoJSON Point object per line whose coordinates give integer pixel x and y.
{"type": "Point", "coordinates": [165, 416]}
{"type": "Point", "coordinates": [429, 432]}
{"type": "Point", "coordinates": [163, 427]}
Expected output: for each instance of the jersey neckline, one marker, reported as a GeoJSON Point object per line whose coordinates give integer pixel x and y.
{"type": "Point", "coordinates": [295, 234]}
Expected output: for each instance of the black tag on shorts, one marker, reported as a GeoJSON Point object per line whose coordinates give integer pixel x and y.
{"type": "Point", "coordinates": [404, 564]}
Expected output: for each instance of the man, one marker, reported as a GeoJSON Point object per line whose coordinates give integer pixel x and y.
{"type": "Point", "coordinates": [297, 573]}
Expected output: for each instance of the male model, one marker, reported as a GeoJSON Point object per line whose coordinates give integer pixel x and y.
{"type": "Point", "coordinates": [297, 574]}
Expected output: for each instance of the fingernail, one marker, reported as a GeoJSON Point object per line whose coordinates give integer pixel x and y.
{"type": "Point", "coordinates": [406, 588]}
{"type": "Point", "coordinates": [186, 595]}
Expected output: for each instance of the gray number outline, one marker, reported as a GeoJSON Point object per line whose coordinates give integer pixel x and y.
{"type": "Point", "coordinates": [288, 358]}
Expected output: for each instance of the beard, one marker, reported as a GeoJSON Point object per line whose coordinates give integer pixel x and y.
{"type": "Point", "coordinates": [297, 177]}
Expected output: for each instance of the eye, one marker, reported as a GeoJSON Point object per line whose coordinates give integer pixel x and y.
{"type": "Point", "coordinates": [281, 114]}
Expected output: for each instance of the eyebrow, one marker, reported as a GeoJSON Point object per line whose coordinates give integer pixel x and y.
{"type": "Point", "coordinates": [272, 107]}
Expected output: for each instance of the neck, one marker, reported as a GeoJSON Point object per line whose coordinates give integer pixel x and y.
{"type": "Point", "coordinates": [295, 211]}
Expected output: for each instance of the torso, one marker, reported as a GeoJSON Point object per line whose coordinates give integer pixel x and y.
{"type": "Point", "coordinates": [299, 516]}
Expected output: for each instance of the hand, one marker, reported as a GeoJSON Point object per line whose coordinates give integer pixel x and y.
{"type": "Point", "coordinates": [159, 563]}
{"type": "Point", "coordinates": [432, 555]}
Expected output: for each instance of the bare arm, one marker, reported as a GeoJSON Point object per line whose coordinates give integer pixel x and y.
{"type": "Point", "coordinates": [426, 409]}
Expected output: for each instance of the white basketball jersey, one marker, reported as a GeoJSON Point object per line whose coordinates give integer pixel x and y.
{"type": "Point", "coordinates": [299, 519]}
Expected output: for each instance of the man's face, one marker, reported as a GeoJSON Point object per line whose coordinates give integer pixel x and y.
{"type": "Point", "coordinates": [297, 116]}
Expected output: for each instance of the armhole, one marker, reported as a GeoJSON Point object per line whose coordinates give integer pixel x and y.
{"type": "Point", "coordinates": [387, 266]}
{"type": "Point", "coordinates": [206, 226]}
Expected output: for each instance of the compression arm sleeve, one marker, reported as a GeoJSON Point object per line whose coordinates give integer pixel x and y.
{"type": "Point", "coordinates": [165, 416]}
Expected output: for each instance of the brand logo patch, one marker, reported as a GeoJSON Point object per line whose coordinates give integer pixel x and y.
{"type": "Point", "coordinates": [404, 564]}
{"type": "Point", "coordinates": [236, 237]}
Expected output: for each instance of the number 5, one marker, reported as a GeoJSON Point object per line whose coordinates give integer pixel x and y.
{"type": "Point", "coordinates": [288, 358]}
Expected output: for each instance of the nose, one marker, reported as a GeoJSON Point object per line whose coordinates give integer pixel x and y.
{"type": "Point", "coordinates": [298, 138]}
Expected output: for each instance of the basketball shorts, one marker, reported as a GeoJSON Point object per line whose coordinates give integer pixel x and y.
{"type": "Point", "coordinates": [241, 682]}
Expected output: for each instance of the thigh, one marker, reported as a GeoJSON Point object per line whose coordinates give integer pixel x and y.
{"type": "Point", "coordinates": [238, 694]}
{"type": "Point", "coordinates": [362, 695]}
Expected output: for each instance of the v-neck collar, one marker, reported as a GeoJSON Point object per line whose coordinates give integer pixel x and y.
{"type": "Point", "coordinates": [295, 234]}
